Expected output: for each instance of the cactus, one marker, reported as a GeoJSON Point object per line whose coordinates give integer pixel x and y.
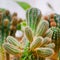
{"type": "Point", "coordinates": [51, 45]}
{"type": "Point", "coordinates": [36, 43]}
{"type": "Point", "coordinates": [11, 49]}
{"type": "Point", "coordinates": [42, 27]}
{"type": "Point", "coordinates": [33, 16]}
{"type": "Point", "coordinates": [29, 34]}
{"type": "Point", "coordinates": [44, 52]}
{"type": "Point", "coordinates": [46, 41]}
{"type": "Point", "coordinates": [49, 33]}
{"type": "Point", "coordinates": [57, 20]}
{"type": "Point", "coordinates": [56, 37]}
{"type": "Point", "coordinates": [6, 22]}
{"type": "Point", "coordinates": [13, 41]}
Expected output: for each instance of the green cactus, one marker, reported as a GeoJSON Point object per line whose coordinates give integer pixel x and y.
{"type": "Point", "coordinates": [42, 28]}
{"type": "Point", "coordinates": [56, 37]}
{"type": "Point", "coordinates": [33, 16]}
{"type": "Point", "coordinates": [44, 52]}
{"type": "Point", "coordinates": [29, 34]}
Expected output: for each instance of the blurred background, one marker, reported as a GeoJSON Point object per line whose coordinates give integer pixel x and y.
{"type": "Point", "coordinates": [13, 6]}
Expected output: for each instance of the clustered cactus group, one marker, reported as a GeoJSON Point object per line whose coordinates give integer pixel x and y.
{"type": "Point", "coordinates": [39, 36]}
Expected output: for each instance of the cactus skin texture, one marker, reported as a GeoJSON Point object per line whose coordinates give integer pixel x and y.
{"type": "Point", "coordinates": [11, 49]}
{"type": "Point", "coordinates": [51, 45]}
{"type": "Point", "coordinates": [46, 41]}
{"type": "Point", "coordinates": [49, 33]}
{"type": "Point", "coordinates": [42, 28]}
{"type": "Point", "coordinates": [29, 34]}
{"type": "Point", "coordinates": [44, 52]}
{"type": "Point", "coordinates": [56, 37]}
{"type": "Point", "coordinates": [36, 43]}
{"type": "Point", "coordinates": [13, 41]}
{"type": "Point", "coordinates": [33, 16]}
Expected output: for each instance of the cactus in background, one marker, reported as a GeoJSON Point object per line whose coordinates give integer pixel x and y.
{"type": "Point", "coordinates": [50, 45]}
{"type": "Point", "coordinates": [46, 41]}
{"type": "Point", "coordinates": [31, 49]}
{"type": "Point", "coordinates": [33, 16]}
{"type": "Point", "coordinates": [42, 37]}
{"type": "Point", "coordinates": [2, 53]}
{"type": "Point", "coordinates": [56, 37]}
{"type": "Point", "coordinates": [29, 34]}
